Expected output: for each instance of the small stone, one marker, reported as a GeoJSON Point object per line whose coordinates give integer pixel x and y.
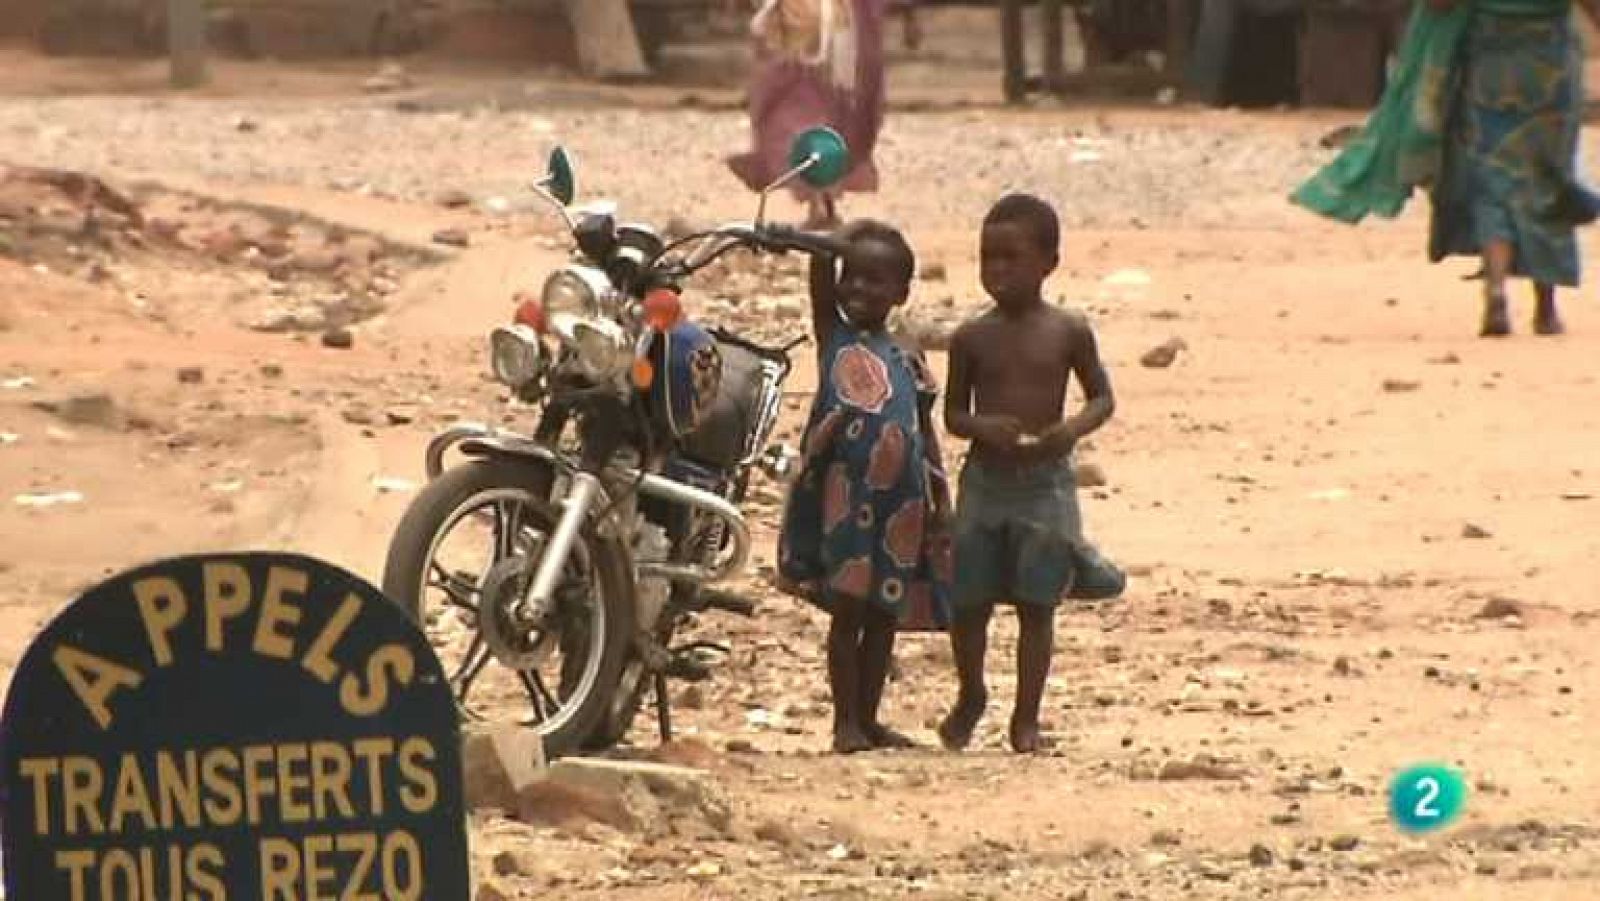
{"type": "Point", "coordinates": [1486, 868]}
{"type": "Point", "coordinates": [1537, 871]}
{"type": "Point", "coordinates": [1474, 531]}
{"type": "Point", "coordinates": [1089, 475]}
{"type": "Point", "coordinates": [272, 371]}
{"type": "Point", "coordinates": [935, 272]}
{"type": "Point", "coordinates": [453, 198]}
{"type": "Point", "coordinates": [1163, 355]}
{"type": "Point", "coordinates": [1500, 608]}
{"type": "Point", "coordinates": [397, 416]}
{"type": "Point", "coordinates": [1342, 666]}
{"type": "Point", "coordinates": [1345, 842]}
{"type": "Point", "coordinates": [1400, 386]}
{"type": "Point", "coordinates": [1260, 855]}
{"type": "Point", "coordinates": [357, 414]}
{"type": "Point", "coordinates": [741, 746]}
{"type": "Point", "coordinates": [1166, 838]}
{"type": "Point", "coordinates": [89, 408]}
{"type": "Point", "coordinates": [452, 237]}
{"type": "Point", "coordinates": [490, 890]}
{"type": "Point", "coordinates": [1182, 770]}
{"type": "Point", "coordinates": [191, 375]}
{"type": "Point", "coordinates": [338, 338]}
{"type": "Point", "coordinates": [245, 124]}
{"type": "Point", "coordinates": [1296, 864]}
{"type": "Point", "coordinates": [777, 832]}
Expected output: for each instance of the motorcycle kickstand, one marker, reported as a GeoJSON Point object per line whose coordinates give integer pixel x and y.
{"type": "Point", "coordinates": [663, 708]}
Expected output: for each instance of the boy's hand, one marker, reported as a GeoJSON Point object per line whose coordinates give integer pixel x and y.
{"type": "Point", "coordinates": [1059, 439]}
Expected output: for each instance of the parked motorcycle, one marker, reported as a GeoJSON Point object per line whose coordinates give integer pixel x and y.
{"type": "Point", "coordinates": [614, 522]}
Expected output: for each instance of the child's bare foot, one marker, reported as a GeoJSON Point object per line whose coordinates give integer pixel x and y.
{"type": "Point", "coordinates": [1025, 738]}
{"type": "Point", "coordinates": [1547, 321]}
{"type": "Point", "coordinates": [955, 732]}
{"type": "Point", "coordinates": [850, 740]}
{"type": "Point", "coordinates": [882, 736]}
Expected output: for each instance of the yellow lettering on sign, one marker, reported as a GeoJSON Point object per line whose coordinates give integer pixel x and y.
{"type": "Point", "coordinates": [316, 849]}
{"type": "Point", "coordinates": [162, 607]}
{"type": "Point", "coordinates": [318, 661]}
{"type": "Point", "coordinates": [225, 803]}
{"type": "Point", "coordinates": [227, 597]}
{"type": "Point", "coordinates": [77, 864]}
{"type": "Point", "coordinates": [401, 847]}
{"type": "Point", "coordinates": [256, 784]}
{"type": "Point", "coordinates": [280, 869]}
{"type": "Point", "coordinates": [276, 610]}
{"type": "Point", "coordinates": [330, 779]}
{"type": "Point", "coordinates": [39, 770]}
{"type": "Point", "coordinates": [293, 788]}
{"type": "Point", "coordinates": [118, 861]}
{"type": "Point", "coordinates": [373, 751]}
{"type": "Point", "coordinates": [82, 782]}
{"type": "Point", "coordinates": [179, 791]}
{"type": "Point", "coordinates": [421, 792]}
{"type": "Point", "coordinates": [390, 661]}
{"type": "Point", "coordinates": [132, 798]}
{"type": "Point", "coordinates": [93, 679]}
{"type": "Point", "coordinates": [206, 880]}
{"type": "Point", "coordinates": [365, 844]}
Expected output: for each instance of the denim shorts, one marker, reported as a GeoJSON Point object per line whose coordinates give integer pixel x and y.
{"type": "Point", "coordinates": [1019, 539]}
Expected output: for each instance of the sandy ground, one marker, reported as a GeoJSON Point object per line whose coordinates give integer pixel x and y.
{"type": "Point", "coordinates": [1317, 500]}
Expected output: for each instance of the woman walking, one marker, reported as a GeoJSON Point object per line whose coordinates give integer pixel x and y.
{"type": "Point", "coordinates": [1484, 110]}
{"type": "Point", "coordinates": [818, 62]}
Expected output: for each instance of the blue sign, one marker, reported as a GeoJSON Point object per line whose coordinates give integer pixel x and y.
{"type": "Point", "coordinates": [245, 726]}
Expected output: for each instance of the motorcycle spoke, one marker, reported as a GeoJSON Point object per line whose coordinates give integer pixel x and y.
{"type": "Point", "coordinates": [476, 659]}
{"type": "Point", "coordinates": [507, 529]}
{"type": "Point", "coordinates": [544, 703]}
{"type": "Point", "coordinates": [457, 589]}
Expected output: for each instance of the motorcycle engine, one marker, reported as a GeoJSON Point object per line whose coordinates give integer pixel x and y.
{"type": "Point", "coordinates": [651, 546]}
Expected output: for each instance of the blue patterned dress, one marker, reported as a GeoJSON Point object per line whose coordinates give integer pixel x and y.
{"type": "Point", "coordinates": [856, 523]}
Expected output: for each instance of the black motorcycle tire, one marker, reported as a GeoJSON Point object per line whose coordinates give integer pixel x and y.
{"type": "Point", "coordinates": [618, 719]}
{"type": "Point", "coordinates": [440, 501]}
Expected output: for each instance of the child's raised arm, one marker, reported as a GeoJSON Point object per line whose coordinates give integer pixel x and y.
{"type": "Point", "coordinates": [824, 297]}
{"type": "Point", "coordinates": [825, 276]}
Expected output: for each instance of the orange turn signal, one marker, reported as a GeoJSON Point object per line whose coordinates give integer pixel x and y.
{"type": "Point", "coordinates": [663, 309]}
{"type": "Point", "coordinates": [644, 374]}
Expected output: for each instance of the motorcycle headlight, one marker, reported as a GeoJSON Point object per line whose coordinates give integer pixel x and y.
{"type": "Point", "coordinates": [574, 291]}
{"type": "Point", "coordinates": [601, 347]}
{"type": "Point", "coordinates": [515, 354]}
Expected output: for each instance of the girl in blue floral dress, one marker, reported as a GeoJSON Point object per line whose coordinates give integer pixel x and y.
{"type": "Point", "coordinates": [863, 533]}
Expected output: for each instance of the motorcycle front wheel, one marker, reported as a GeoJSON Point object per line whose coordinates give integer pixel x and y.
{"type": "Point", "coordinates": [448, 587]}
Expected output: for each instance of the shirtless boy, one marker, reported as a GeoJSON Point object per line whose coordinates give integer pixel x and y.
{"type": "Point", "coordinates": [1018, 535]}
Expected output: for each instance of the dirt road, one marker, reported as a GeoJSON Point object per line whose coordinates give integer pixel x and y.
{"type": "Point", "coordinates": [1360, 537]}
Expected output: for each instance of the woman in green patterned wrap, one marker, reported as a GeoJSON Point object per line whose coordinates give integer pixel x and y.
{"type": "Point", "coordinates": [1484, 110]}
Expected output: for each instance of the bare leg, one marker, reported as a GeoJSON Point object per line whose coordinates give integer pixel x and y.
{"type": "Point", "coordinates": [844, 675]}
{"type": "Point", "coordinates": [877, 650]}
{"type": "Point", "coordinates": [969, 640]}
{"type": "Point", "coordinates": [1496, 268]}
{"type": "Point", "coordinates": [1547, 319]}
{"type": "Point", "coordinates": [1035, 643]}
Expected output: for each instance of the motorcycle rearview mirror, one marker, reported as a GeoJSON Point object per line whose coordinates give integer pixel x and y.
{"type": "Point", "coordinates": [819, 156]}
{"type": "Point", "coordinates": [560, 182]}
